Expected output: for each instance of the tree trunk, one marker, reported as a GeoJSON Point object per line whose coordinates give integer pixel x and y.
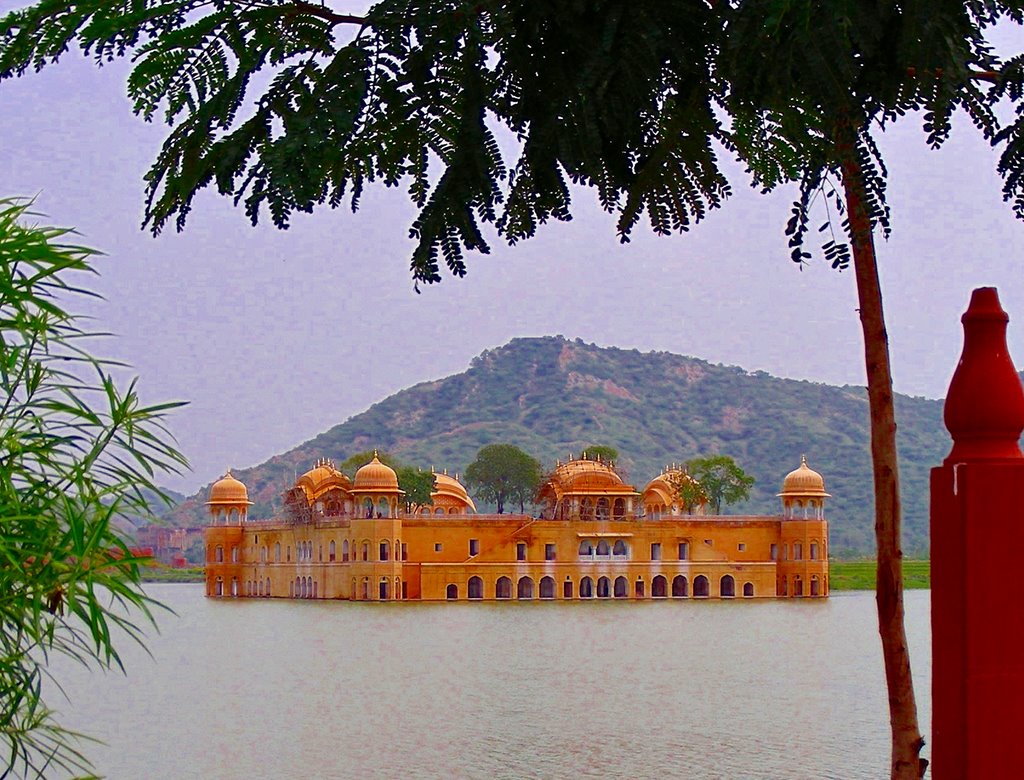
{"type": "Point", "coordinates": [906, 737]}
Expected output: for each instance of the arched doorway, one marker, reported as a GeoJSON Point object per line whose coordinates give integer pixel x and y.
{"type": "Point", "coordinates": [659, 587]}
{"type": "Point", "coordinates": [603, 588]}
{"type": "Point", "coordinates": [524, 590]}
{"type": "Point", "coordinates": [727, 587]}
{"type": "Point", "coordinates": [586, 588]}
{"type": "Point", "coordinates": [680, 587]}
{"type": "Point", "coordinates": [547, 588]}
{"type": "Point", "coordinates": [476, 588]}
{"type": "Point", "coordinates": [621, 587]}
{"type": "Point", "coordinates": [748, 589]}
{"type": "Point", "coordinates": [503, 588]}
{"type": "Point", "coordinates": [700, 586]}
{"type": "Point", "coordinates": [452, 592]}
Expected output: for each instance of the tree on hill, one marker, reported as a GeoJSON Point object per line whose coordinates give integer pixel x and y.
{"type": "Point", "coordinates": [718, 478]}
{"type": "Point", "coordinates": [630, 99]}
{"type": "Point", "coordinates": [75, 452]}
{"type": "Point", "coordinates": [503, 472]}
{"type": "Point", "coordinates": [600, 452]}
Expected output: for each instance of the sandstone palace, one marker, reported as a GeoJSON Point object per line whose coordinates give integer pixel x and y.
{"type": "Point", "coordinates": [596, 538]}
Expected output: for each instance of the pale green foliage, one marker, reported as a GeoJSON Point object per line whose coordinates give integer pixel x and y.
{"type": "Point", "coordinates": [503, 472]}
{"type": "Point", "coordinates": [720, 480]}
{"type": "Point", "coordinates": [600, 452]}
{"type": "Point", "coordinates": [75, 451]}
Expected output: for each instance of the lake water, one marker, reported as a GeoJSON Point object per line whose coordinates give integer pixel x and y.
{"type": "Point", "coordinates": [300, 689]}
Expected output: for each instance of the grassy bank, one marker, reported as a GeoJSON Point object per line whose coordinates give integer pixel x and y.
{"type": "Point", "coordinates": [167, 574]}
{"type": "Point", "coordinates": [860, 575]}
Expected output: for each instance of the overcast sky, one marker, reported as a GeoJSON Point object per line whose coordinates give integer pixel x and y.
{"type": "Point", "coordinates": [275, 336]}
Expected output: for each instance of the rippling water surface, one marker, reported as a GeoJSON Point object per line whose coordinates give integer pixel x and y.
{"type": "Point", "coordinates": [288, 689]}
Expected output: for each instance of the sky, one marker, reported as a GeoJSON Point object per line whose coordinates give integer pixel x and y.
{"type": "Point", "coordinates": [274, 336]}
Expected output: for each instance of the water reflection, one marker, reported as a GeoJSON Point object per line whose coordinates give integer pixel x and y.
{"type": "Point", "coordinates": [278, 689]}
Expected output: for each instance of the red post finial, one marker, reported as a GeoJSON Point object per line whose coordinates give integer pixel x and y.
{"type": "Point", "coordinates": [984, 409]}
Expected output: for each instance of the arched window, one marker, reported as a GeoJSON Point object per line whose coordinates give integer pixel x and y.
{"type": "Point", "coordinates": [587, 509]}
{"type": "Point", "coordinates": [680, 588]}
{"type": "Point", "coordinates": [384, 547]}
{"type": "Point", "coordinates": [586, 588]}
{"type": "Point", "coordinates": [315, 584]}
{"type": "Point", "coordinates": [452, 592]}
{"type": "Point", "coordinates": [525, 588]}
{"type": "Point", "coordinates": [383, 509]}
{"type": "Point", "coordinates": [621, 587]}
{"type": "Point", "coordinates": [619, 510]}
{"type": "Point", "coordinates": [344, 550]}
{"type": "Point", "coordinates": [382, 589]}
{"type": "Point", "coordinates": [586, 548]}
{"type": "Point", "coordinates": [302, 587]}
{"type": "Point", "coordinates": [659, 587]}
{"type": "Point", "coordinates": [503, 588]}
{"type": "Point", "coordinates": [547, 588]}
{"type": "Point", "coordinates": [366, 551]}
{"type": "Point", "coordinates": [798, 551]}
{"type": "Point", "coordinates": [727, 587]}
{"type": "Point", "coordinates": [700, 586]}
{"type": "Point", "coordinates": [218, 589]}
{"type": "Point", "coordinates": [603, 588]}
{"type": "Point", "coordinates": [332, 552]}
{"type": "Point", "coordinates": [234, 586]}
{"type": "Point", "coordinates": [814, 551]}
{"type": "Point", "coordinates": [234, 554]}
{"type": "Point", "coordinates": [602, 548]}
{"type": "Point", "coordinates": [602, 508]}
{"type": "Point", "coordinates": [798, 586]}
{"type": "Point", "coordinates": [815, 586]}
{"type": "Point", "coordinates": [218, 554]}
{"type": "Point", "coordinates": [748, 590]}
{"type": "Point", "coordinates": [277, 552]}
{"type": "Point", "coordinates": [439, 510]}
{"type": "Point", "coordinates": [366, 588]}
{"type": "Point", "coordinates": [476, 588]}
{"type": "Point", "coordinates": [619, 548]}
{"type": "Point", "coordinates": [266, 590]}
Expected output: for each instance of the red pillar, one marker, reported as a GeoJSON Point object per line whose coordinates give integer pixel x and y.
{"type": "Point", "coordinates": [977, 543]}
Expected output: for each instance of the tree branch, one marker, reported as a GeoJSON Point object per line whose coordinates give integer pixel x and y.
{"type": "Point", "coordinates": [326, 13]}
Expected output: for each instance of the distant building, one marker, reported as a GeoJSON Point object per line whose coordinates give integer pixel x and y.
{"type": "Point", "coordinates": [597, 537]}
{"type": "Point", "coordinates": [169, 545]}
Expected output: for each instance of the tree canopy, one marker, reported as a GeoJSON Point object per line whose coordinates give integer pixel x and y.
{"type": "Point", "coordinates": [719, 480]}
{"type": "Point", "coordinates": [75, 452]}
{"type": "Point", "coordinates": [503, 472]}
{"type": "Point", "coordinates": [637, 100]}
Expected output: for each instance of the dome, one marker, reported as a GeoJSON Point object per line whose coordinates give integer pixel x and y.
{"type": "Point", "coordinates": [228, 490]}
{"type": "Point", "coordinates": [375, 476]}
{"type": "Point", "coordinates": [665, 486]}
{"type": "Point", "coordinates": [321, 478]}
{"type": "Point", "coordinates": [446, 487]}
{"type": "Point", "coordinates": [804, 481]}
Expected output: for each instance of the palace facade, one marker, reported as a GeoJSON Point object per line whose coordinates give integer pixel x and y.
{"type": "Point", "coordinates": [596, 538]}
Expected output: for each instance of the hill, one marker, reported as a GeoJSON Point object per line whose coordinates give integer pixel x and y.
{"type": "Point", "coordinates": [551, 397]}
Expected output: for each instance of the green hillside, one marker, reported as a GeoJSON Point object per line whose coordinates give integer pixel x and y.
{"type": "Point", "coordinates": [551, 397]}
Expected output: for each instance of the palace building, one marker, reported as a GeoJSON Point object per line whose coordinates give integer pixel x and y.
{"type": "Point", "coordinates": [596, 537]}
